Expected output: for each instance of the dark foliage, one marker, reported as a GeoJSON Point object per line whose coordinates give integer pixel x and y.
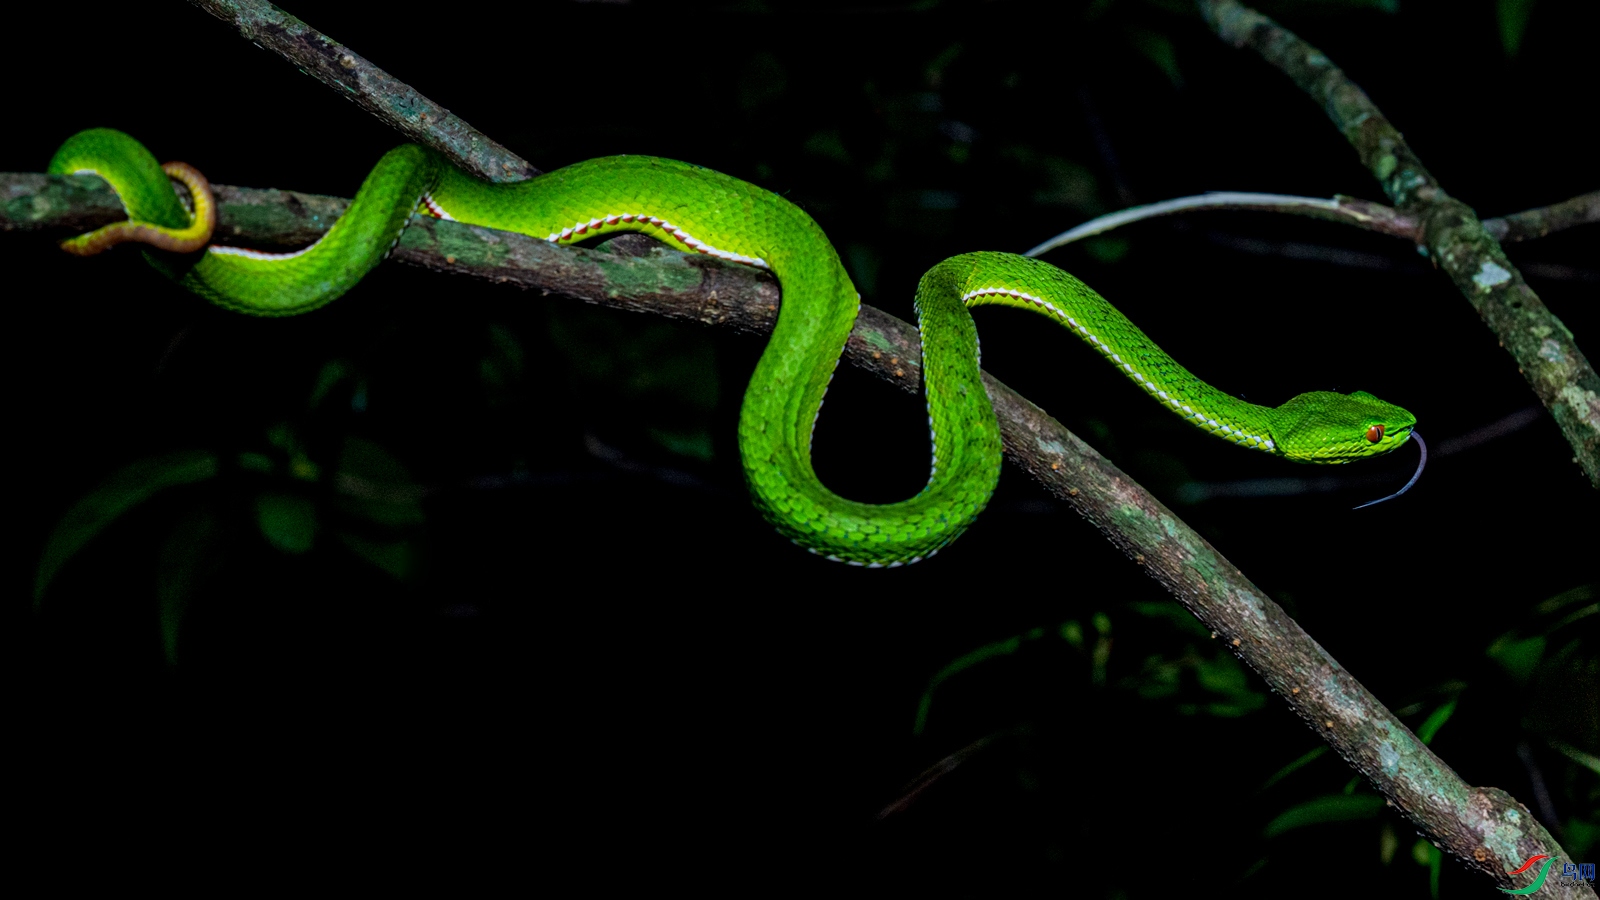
{"type": "Point", "coordinates": [475, 570]}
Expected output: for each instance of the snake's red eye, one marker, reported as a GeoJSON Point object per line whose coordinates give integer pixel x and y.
{"type": "Point", "coordinates": [1375, 434]}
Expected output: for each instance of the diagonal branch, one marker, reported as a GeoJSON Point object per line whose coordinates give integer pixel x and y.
{"type": "Point", "coordinates": [1482, 821]}
{"type": "Point", "coordinates": [1498, 833]}
{"type": "Point", "coordinates": [394, 102]}
{"type": "Point", "coordinates": [1545, 351]}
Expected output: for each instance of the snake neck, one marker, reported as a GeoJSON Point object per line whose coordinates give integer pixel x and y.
{"type": "Point", "coordinates": [1004, 279]}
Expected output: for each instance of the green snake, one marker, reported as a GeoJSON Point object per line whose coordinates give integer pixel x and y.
{"type": "Point", "coordinates": [699, 210]}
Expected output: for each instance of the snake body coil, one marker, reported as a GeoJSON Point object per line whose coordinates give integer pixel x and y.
{"type": "Point", "coordinates": [696, 209]}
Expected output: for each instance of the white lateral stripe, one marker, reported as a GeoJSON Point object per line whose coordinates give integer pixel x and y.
{"type": "Point", "coordinates": [668, 228]}
{"type": "Point", "coordinates": [262, 254]}
{"type": "Point", "coordinates": [1200, 418]}
{"type": "Point", "coordinates": [435, 208]}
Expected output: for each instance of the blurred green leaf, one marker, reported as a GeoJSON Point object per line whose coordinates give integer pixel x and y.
{"type": "Point", "coordinates": [1222, 675]}
{"type": "Point", "coordinates": [694, 443]}
{"type": "Point", "coordinates": [966, 661]}
{"type": "Point", "coordinates": [1100, 657]}
{"type": "Point", "coordinates": [256, 462]}
{"type": "Point", "coordinates": [1388, 843]}
{"type": "Point", "coordinates": [187, 557]}
{"type": "Point", "coordinates": [1304, 760]}
{"type": "Point", "coordinates": [1419, 852]}
{"type": "Point", "coordinates": [284, 436]}
{"type": "Point", "coordinates": [1519, 657]}
{"type": "Point", "coordinates": [1161, 678]}
{"type": "Point", "coordinates": [376, 486]}
{"type": "Point", "coordinates": [1513, 17]}
{"type": "Point", "coordinates": [1157, 48]}
{"type": "Point", "coordinates": [935, 70]}
{"type": "Point", "coordinates": [1431, 725]}
{"type": "Point", "coordinates": [654, 379]}
{"type": "Point", "coordinates": [126, 488]}
{"type": "Point", "coordinates": [1582, 837]}
{"type": "Point", "coordinates": [398, 558]}
{"type": "Point", "coordinates": [1172, 614]}
{"type": "Point", "coordinates": [1332, 808]}
{"type": "Point", "coordinates": [332, 374]}
{"type": "Point", "coordinates": [287, 521]}
{"type": "Point", "coordinates": [1568, 598]}
{"type": "Point", "coordinates": [1072, 633]}
{"type": "Point", "coordinates": [1217, 673]}
{"type": "Point", "coordinates": [1587, 760]}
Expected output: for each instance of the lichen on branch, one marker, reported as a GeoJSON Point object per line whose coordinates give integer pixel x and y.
{"type": "Point", "coordinates": [1545, 351]}
{"type": "Point", "coordinates": [394, 102]}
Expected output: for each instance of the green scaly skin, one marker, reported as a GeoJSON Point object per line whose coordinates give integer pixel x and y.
{"type": "Point", "coordinates": [692, 208]}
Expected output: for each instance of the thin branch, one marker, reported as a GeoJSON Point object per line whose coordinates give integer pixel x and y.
{"type": "Point", "coordinates": [1371, 216]}
{"type": "Point", "coordinates": [1484, 827]}
{"type": "Point", "coordinates": [1583, 209]}
{"type": "Point", "coordinates": [663, 282]}
{"type": "Point", "coordinates": [1364, 214]}
{"type": "Point", "coordinates": [393, 101]}
{"type": "Point", "coordinates": [1545, 351]}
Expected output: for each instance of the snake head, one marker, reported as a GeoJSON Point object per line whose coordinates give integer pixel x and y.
{"type": "Point", "coordinates": [1329, 427]}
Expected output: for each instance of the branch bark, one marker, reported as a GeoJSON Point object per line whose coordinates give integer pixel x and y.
{"type": "Point", "coordinates": [371, 88]}
{"type": "Point", "coordinates": [1536, 223]}
{"type": "Point", "coordinates": [1485, 824]}
{"type": "Point", "coordinates": [1492, 833]}
{"type": "Point", "coordinates": [1546, 353]}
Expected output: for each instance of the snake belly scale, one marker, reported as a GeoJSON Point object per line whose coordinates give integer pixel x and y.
{"type": "Point", "coordinates": [699, 210]}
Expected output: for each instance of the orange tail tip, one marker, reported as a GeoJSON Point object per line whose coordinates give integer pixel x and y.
{"type": "Point", "coordinates": [177, 240]}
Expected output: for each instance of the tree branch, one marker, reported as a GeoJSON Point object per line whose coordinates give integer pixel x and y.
{"type": "Point", "coordinates": [1482, 821]}
{"type": "Point", "coordinates": [1545, 351]}
{"type": "Point", "coordinates": [393, 101]}
{"type": "Point", "coordinates": [1361, 213]}
{"type": "Point", "coordinates": [1491, 831]}
{"type": "Point", "coordinates": [1535, 223]}
{"type": "Point", "coordinates": [1364, 214]}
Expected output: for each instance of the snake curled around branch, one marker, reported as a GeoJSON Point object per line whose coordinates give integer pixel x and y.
{"type": "Point", "coordinates": [696, 209]}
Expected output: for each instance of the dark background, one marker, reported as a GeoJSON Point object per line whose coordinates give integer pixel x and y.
{"type": "Point", "coordinates": [571, 645]}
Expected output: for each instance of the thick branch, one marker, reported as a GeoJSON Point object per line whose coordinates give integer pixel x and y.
{"type": "Point", "coordinates": [1545, 351]}
{"type": "Point", "coordinates": [1467, 819]}
{"type": "Point", "coordinates": [1487, 829]}
{"type": "Point", "coordinates": [393, 101]}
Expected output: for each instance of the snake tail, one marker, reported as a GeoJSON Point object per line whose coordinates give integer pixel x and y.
{"type": "Point", "coordinates": [155, 215]}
